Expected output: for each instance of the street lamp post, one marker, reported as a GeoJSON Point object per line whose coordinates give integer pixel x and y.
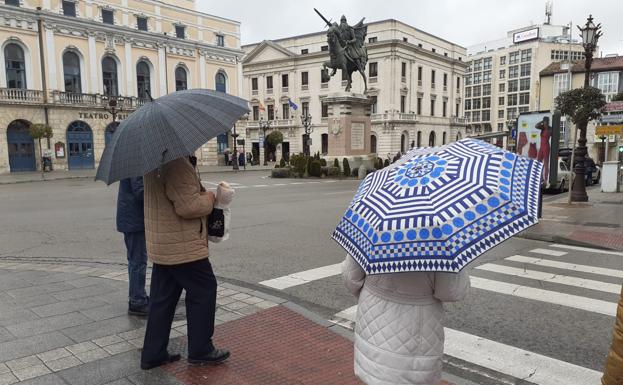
{"type": "Point", "coordinates": [113, 109]}
{"type": "Point", "coordinates": [306, 121]}
{"type": "Point", "coordinates": [235, 136]}
{"type": "Point", "coordinates": [264, 126]}
{"type": "Point", "coordinates": [590, 35]}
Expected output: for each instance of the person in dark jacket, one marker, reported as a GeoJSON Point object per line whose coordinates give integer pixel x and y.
{"type": "Point", "coordinates": [131, 222]}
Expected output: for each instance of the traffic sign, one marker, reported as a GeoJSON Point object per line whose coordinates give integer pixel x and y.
{"type": "Point", "coordinates": [612, 118]}
{"type": "Point", "coordinates": [609, 130]}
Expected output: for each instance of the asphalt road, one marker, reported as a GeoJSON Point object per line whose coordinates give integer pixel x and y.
{"type": "Point", "coordinates": [280, 227]}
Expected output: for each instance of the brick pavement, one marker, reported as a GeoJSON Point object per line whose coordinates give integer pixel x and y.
{"type": "Point", "coordinates": [67, 324]}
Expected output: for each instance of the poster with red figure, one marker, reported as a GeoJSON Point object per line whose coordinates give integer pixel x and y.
{"type": "Point", "coordinates": [538, 136]}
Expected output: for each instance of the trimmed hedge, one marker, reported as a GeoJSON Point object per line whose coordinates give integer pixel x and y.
{"type": "Point", "coordinates": [346, 167]}
{"type": "Point", "coordinates": [280, 173]}
{"type": "Point", "coordinates": [315, 169]}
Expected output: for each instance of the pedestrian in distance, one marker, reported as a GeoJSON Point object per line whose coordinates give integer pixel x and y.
{"type": "Point", "coordinates": [130, 222]}
{"type": "Point", "coordinates": [613, 372]}
{"type": "Point", "coordinates": [407, 307]}
{"type": "Point", "coordinates": [176, 213]}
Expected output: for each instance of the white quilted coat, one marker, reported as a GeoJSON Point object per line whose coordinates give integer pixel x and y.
{"type": "Point", "coordinates": [399, 331]}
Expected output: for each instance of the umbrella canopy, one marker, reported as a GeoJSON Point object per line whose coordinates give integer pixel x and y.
{"type": "Point", "coordinates": [167, 128]}
{"type": "Point", "coordinates": [436, 209]}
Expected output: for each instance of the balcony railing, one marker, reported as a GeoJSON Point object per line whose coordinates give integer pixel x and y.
{"type": "Point", "coordinates": [20, 96]}
{"type": "Point", "coordinates": [61, 98]}
{"type": "Point", "coordinates": [394, 115]}
{"type": "Point", "coordinates": [74, 98]}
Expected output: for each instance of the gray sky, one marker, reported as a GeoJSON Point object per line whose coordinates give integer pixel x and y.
{"type": "Point", "coordinates": [462, 22]}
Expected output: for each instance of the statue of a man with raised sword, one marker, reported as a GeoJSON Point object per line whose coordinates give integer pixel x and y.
{"type": "Point", "coordinates": [347, 49]}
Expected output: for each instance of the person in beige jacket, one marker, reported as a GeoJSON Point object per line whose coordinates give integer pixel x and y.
{"type": "Point", "coordinates": [176, 213]}
{"type": "Point", "coordinates": [399, 325]}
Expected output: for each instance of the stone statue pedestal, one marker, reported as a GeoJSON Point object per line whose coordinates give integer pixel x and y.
{"type": "Point", "coordinates": [349, 129]}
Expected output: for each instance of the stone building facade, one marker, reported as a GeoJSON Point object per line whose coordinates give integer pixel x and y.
{"type": "Point", "coordinates": [65, 61]}
{"type": "Point", "coordinates": [415, 86]}
{"type": "Point", "coordinates": [607, 75]}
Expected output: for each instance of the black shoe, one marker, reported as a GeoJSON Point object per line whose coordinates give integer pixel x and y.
{"type": "Point", "coordinates": [216, 356]}
{"type": "Point", "coordinates": [170, 358]}
{"type": "Point", "coordinates": [140, 311]}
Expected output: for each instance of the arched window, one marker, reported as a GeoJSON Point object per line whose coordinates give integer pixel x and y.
{"type": "Point", "coordinates": [109, 74]}
{"type": "Point", "coordinates": [221, 82]}
{"type": "Point", "coordinates": [181, 79]}
{"type": "Point", "coordinates": [419, 139]}
{"type": "Point", "coordinates": [143, 80]}
{"type": "Point", "coordinates": [431, 139]}
{"type": "Point", "coordinates": [15, 65]}
{"type": "Point", "coordinates": [443, 140]}
{"type": "Point", "coordinates": [71, 69]}
{"type": "Point", "coordinates": [373, 144]}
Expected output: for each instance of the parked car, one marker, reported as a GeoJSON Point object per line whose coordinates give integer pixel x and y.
{"type": "Point", "coordinates": [597, 174]}
{"type": "Point", "coordinates": [564, 177]}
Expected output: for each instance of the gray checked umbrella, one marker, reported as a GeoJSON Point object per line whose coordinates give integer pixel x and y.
{"type": "Point", "coordinates": [167, 128]}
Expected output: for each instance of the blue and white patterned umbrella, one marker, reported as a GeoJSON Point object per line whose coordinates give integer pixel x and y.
{"type": "Point", "coordinates": [436, 209]}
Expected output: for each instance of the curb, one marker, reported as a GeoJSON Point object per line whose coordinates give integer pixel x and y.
{"type": "Point", "coordinates": [93, 176]}
{"type": "Point", "coordinates": [562, 240]}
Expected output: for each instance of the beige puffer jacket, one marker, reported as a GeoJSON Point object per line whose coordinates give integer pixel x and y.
{"type": "Point", "coordinates": [175, 214]}
{"type": "Point", "coordinates": [399, 331]}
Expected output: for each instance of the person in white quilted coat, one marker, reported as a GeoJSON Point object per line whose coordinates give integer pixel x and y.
{"type": "Point", "coordinates": [399, 327]}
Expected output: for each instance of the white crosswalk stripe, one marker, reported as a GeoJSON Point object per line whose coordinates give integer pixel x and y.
{"type": "Point", "coordinates": [211, 185]}
{"type": "Point", "coordinates": [552, 253]}
{"type": "Point", "coordinates": [553, 297]}
{"type": "Point", "coordinates": [553, 278]}
{"type": "Point", "coordinates": [506, 359]}
{"type": "Point", "coordinates": [302, 277]}
{"type": "Point", "coordinates": [588, 249]}
{"type": "Point", "coordinates": [567, 266]}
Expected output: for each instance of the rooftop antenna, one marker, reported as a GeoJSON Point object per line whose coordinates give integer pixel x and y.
{"type": "Point", "coordinates": [549, 6]}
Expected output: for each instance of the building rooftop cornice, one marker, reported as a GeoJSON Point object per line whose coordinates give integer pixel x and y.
{"type": "Point", "coordinates": [321, 33]}
{"type": "Point", "coordinates": [294, 58]}
{"type": "Point", "coordinates": [91, 27]}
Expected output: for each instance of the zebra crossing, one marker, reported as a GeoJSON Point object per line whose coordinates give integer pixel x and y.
{"type": "Point", "coordinates": [211, 185]}
{"type": "Point", "coordinates": [540, 274]}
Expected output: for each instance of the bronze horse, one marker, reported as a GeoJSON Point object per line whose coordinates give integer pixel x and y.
{"type": "Point", "coordinates": [340, 61]}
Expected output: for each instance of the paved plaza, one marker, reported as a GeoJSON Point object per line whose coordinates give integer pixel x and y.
{"type": "Point", "coordinates": [544, 302]}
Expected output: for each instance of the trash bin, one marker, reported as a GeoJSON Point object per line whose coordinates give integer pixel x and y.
{"type": "Point", "coordinates": [610, 177]}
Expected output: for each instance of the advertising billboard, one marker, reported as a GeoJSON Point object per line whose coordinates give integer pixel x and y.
{"type": "Point", "coordinates": [522, 36]}
{"type": "Point", "coordinates": [538, 135]}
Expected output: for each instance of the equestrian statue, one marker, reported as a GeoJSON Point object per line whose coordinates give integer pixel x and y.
{"type": "Point", "coordinates": [347, 49]}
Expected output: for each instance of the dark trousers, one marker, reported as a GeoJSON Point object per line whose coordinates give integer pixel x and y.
{"type": "Point", "coordinates": [137, 266]}
{"type": "Point", "coordinates": [167, 282]}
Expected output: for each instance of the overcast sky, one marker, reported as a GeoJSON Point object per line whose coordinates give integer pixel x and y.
{"type": "Point", "coordinates": [460, 21]}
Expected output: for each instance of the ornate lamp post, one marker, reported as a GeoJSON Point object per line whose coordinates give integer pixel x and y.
{"type": "Point", "coordinates": [235, 136]}
{"type": "Point", "coordinates": [306, 121]}
{"type": "Point", "coordinates": [264, 126]}
{"type": "Point", "coordinates": [113, 108]}
{"type": "Point", "coordinates": [590, 35]}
